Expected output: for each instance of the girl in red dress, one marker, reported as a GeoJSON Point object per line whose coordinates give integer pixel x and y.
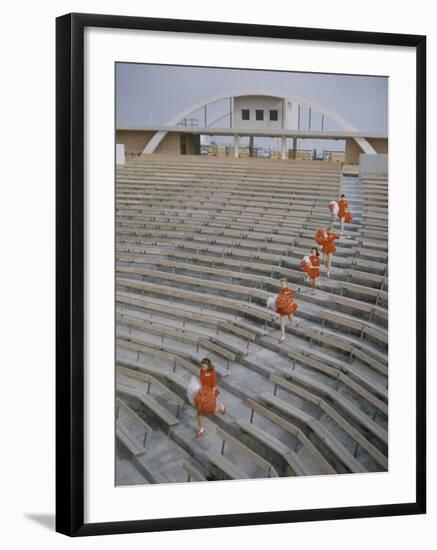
{"type": "Point", "coordinates": [205, 399]}
{"type": "Point", "coordinates": [314, 271]}
{"type": "Point", "coordinates": [285, 307]}
{"type": "Point", "coordinates": [329, 248]}
{"type": "Point", "coordinates": [343, 210]}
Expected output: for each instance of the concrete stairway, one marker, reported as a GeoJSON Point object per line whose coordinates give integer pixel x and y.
{"type": "Point", "coordinates": [201, 244]}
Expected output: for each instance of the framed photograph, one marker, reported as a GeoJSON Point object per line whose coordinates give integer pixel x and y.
{"type": "Point", "coordinates": [240, 274]}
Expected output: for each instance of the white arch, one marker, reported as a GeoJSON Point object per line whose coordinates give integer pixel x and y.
{"type": "Point", "coordinates": [159, 136]}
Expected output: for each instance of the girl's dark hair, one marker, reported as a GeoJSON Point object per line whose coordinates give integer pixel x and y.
{"type": "Point", "coordinates": [207, 361]}
{"type": "Point", "coordinates": [317, 251]}
{"type": "Point", "coordinates": [342, 196]}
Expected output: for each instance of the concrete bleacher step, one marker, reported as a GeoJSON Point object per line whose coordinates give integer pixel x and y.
{"type": "Point", "coordinates": [236, 443]}
{"type": "Point", "coordinates": [163, 462]}
{"type": "Point", "coordinates": [126, 473]}
{"type": "Point", "coordinates": [156, 308]}
{"type": "Point", "coordinates": [193, 473]}
{"type": "Point", "coordinates": [140, 378]}
{"type": "Point", "coordinates": [336, 381]}
{"type": "Point", "coordinates": [225, 466]}
{"type": "Point", "coordinates": [182, 360]}
{"type": "Point", "coordinates": [232, 464]}
{"type": "Point", "coordinates": [226, 346]}
{"type": "Point", "coordinates": [174, 382]}
{"type": "Point", "coordinates": [201, 245]}
{"type": "Point", "coordinates": [269, 419]}
{"type": "Point", "coordinates": [178, 294]}
{"type": "Point", "coordinates": [290, 457]}
{"type": "Point", "coordinates": [317, 392]}
{"type": "Point", "coordinates": [129, 388]}
{"type": "Point", "coordinates": [356, 424]}
{"type": "Point", "coordinates": [322, 438]}
{"type": "Point", "coordinates": [126, 439]}
{"type": "Point", "coordinates": [347, 343]}
{"type": "Point", "coordinates": [351, 324]}
{"type": "Point", "coordinates": [345, 379]}
{"type": "Point", "coordinates": [133, 351]}
{"type": "Point", "coordinates": [131, 429]}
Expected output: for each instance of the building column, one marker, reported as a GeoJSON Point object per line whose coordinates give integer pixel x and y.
{"type": "Point", "coordinates": [284, 113]}
{"type": "Point", "coordinates": [294, 154]}
{"type": "Point", "coordinates": [236, 146]}
{"type": "Point", "coordinates": [283, 147]}
{"type": "Point", "coordinates": [251, 144]}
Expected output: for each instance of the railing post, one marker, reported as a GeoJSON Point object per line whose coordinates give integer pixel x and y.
{"type": "Point", "coordinates": [357, 446]}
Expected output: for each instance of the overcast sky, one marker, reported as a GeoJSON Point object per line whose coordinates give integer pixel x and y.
{"type": "Point", "coordinates": [152, 94]}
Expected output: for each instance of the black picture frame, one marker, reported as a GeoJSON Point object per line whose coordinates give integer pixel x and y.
{"type": "Point", "coordinates": [70, 273]}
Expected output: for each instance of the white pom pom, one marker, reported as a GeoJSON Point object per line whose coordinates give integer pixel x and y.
{"type": "Point", "coordinates": [333, 207]}
{"type": "Point", "coordinates": [193, 388]}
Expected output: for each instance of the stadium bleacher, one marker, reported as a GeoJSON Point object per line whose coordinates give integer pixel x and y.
{"type": "Point", "coordinates": [201, 243]}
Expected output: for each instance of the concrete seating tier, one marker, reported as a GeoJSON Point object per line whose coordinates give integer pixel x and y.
{"type": "Point", "coordinates": [192, 473]}
{"type": "Point", "coordinates": [125, 416]}
{"type": "Point", "coordinates": [200, 245]}
{"type": "Point", "coordinates": [366, 425]}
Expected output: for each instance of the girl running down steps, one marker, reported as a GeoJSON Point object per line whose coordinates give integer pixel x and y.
{"type": "Point", "coordinates": [328, 247]}
{"type": "Point", "coordinates": [314, 270]}
{"type": "Point", "coordinates": [344, 214]}
{"type": "Point", "coordinates": [205, 400]}
{"type": "Point", "coordinates": [310, 265]}
{"type": "Point", "coordinates": [285, 307]}
{"type": "Point", "coordinates": [340, 208]}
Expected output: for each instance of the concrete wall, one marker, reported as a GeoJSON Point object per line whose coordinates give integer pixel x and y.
{"type": "Point", "coordinates": [373, 164]}
{"type": "Point", "coordinates": [120, 157]}
{"type": "Point", "coordinates": [170, 145]}
{"type": "Point", "coordinates": [353, 150]}
{"type": "Point", "coordinates": [257, 102]}
{"type": "Point", "coordinates": [380, 145]}
{"type": "Point", "coordinates": [134, 142]}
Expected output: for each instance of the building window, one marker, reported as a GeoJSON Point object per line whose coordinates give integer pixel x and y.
{"type": "Point", "coordinates": [259, 114]}
{"type": "Point", "coordinates": [273, 114]}
{"type": "Point", "coordinates": [245, 114]}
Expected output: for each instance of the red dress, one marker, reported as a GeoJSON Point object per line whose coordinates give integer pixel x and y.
{"type": "Point", "coordinates": [284, 302]}
{"type": "Point", "coordinates": [314, 269]}
{"type": "Point", "coordinates": [328, 244]}
{"type": "Point", "coordinates": [206, 398]}
{"type": "Point", "coordinates": [342, 208]}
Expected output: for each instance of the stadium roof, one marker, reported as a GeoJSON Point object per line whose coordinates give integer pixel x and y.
{"type": "Point", "coordinates": [265, 132]}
